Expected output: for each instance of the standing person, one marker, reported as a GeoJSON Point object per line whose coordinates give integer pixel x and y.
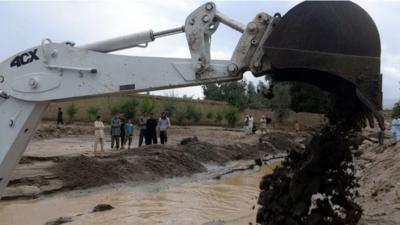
{"type": "Point", "coordinates": [151, 130]}
{"type": "Point", "coordinates": [115, 131]}
{"type": "Point", "coordinates": [122, 130]}
{"type": "Point", "coordinates": [99, 134]}
{"type": "Point", "coordinates": [60, 117]}
{"type": "Point", "coordinates": [129, 127]}
{"type": "Point", "coordinates": [263, 125]}
{"type": "Point", "coordinates": [246, 124]}
{"type": "Point", "coordinates": [394, 128]}
{"type": "Point", "coordinates": [251, 123]}
{"type": "Point", "coordinates": [163, 124]}
{"type": "Point", "coordinates": [143, 129]}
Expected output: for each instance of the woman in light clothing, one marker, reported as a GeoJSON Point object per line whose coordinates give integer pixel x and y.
{"type": "Point", "coordinates": [99, 134]}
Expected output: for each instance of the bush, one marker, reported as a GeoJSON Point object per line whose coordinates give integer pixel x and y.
{"type": "Point", "coordinates": [192, 113]}
{"type": "Point", "coordinates": [197, 116]}
{"type": "Point", "coordinates": [71, 111]}
{"type": "Point", "coordinates": [148, 104]}
{"type": "Point", "coordinates": [113, 109]}
{"type": "Point", "coordinates": [129, 108]}
{"type": "Point", "coordinates": [180, 115]}
{"type": "Point", "coordinates": [218, 117]}
{"type": "Point", "coordinates": [210, 115]}
{"type": "Point", "coordinates": [396, 110]}
{"type": "Point", "coordinates": [280, 103]}
{"type": "Point", "coordinates": [170, 107]}
{"type": "Point", "coordinates": [232, 115]}
{"type": "Point", "coordinates": [92, 112]}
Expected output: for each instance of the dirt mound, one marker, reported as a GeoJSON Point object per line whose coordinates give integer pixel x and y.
{"type": "Point", "coordinates": [102, 207]}
{"type": "Point", "coordinates": [60, 220]}
{"type": "Point", "coordinates": [46, 130]}
{"type": "Point", "coordinates": [379, 185]}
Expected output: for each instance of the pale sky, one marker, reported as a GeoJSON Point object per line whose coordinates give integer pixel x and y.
{"type": "Point", "coordinates": [25, 24]}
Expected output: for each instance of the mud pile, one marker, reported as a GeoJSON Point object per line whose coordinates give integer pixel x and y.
{"type": "Point", "coordinates": [151, 163]}
{"type": "Point", "coordinates": [317, 186]}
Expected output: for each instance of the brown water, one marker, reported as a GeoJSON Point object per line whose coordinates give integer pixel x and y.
{"type": "Point", "coordinates": [230, 199]}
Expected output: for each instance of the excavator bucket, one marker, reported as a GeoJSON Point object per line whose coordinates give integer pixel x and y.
{"type": "Point", "coordinates": [334, 45]}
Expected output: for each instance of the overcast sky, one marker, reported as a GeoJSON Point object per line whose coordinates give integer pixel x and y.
{"type": "Point", "coordinates": [24, 24]}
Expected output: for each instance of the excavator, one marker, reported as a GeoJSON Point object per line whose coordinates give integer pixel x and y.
{"type": "Point", "coordinates": [334, 45]}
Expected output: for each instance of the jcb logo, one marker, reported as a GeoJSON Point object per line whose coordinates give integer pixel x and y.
{"type": "Point", "coordinates": [24, 58]}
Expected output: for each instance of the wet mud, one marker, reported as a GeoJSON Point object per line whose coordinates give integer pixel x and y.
{"type": "Point", "coordinates": [146, 164]}
{"type": "Point", "coordinates": [317, 186]}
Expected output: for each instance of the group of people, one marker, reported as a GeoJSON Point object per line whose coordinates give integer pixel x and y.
{"type": "Point", "coordinates": [122, 131]}
{"type": "Point", "coordinates": [250, 127]}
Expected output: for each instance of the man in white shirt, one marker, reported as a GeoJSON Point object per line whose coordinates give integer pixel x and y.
{"type": "Point", "coordinates": [163, 124]}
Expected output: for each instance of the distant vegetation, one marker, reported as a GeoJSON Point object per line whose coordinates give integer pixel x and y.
{"type": "Point", "coordinates": [71, 112]}
{"type": "Point", "coordinates": [396, 110]}
{"type": "Point", "coordinates": [285, 96]}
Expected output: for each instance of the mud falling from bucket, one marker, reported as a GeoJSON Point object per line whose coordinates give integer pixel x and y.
{"type": "Point", "coordinates": [316, 187]}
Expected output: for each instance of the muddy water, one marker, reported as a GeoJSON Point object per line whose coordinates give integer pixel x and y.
{"type": "Point", "coordinates": [230, 199]}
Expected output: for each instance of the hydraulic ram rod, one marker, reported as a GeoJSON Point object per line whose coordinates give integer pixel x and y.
{"type": "Point", "coordinates": [130, 40]}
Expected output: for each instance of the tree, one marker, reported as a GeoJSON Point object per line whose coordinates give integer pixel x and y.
{"type": "Point", "coordinates": [308, 98]}
{"type": "Point", "coordinates": [129, 108]}
{"type": "Point", "coordinates": [396, 110]}
{"type": "Point", "coordinates": [232, 92]}
{"type": "Point", "coordinates": [148, 104]}
{"type": "Point", "coordinates": [218, 117]}
{"type": "Point", "coordinates": [210, 115]}
{"type": "Point", "coordinates": [180, 115]}
{"type": "Point", "coordinates": [280, 103]}
{"type": "Point", "coordinates": [92, 111]}
{"type": "Point", "coordinates": [170, 107]}
{"type": "Point", "coordinates": [192, 113]}
{"type": "Point", "coordinates": [71, 111]}
{"type": "Point", "coordinates": [232, 115]}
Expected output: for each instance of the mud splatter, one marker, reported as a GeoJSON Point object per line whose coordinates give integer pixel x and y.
{"type": "Point", "coordinates": [317, 186]}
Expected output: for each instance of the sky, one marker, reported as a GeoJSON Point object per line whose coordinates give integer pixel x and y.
{"type": "Point", "coordinates": [24, 24]}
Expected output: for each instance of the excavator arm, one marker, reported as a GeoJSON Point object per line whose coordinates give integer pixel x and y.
{"type": "Point", "coordinates": [30, 80]}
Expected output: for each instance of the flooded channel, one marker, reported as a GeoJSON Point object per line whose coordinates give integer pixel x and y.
{"type": "Point", "coordinates": [231, 199]}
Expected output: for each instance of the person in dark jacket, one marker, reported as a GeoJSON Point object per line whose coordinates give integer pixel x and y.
{"type": "Point", "coordinates": [143, 129]}
{"type": "Point", "coordinates": [151, 130]}
{"type": "Point", "coordinates": [122, 130]}
{"type": "Point", "coordinates": [115, 131]}
{"type": "Point", "coordinates": [60, 117]}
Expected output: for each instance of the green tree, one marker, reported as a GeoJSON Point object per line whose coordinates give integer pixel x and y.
{"type": "Point", "coordinates": [170, 107]}
{"type": "Point", "coordinates": [210, 115]}
{"type": "Point", "coordinates": [71, 111]}
{"type": "Point", "coordinates": [114, 108]}
{"type": "Point", "coordinates": [92, 111]}
{"type": "Point", "coordinates": [218, 117]}
{"type": "Point", "coordinates": [192, 113]}
{"type": "Point", "coordinates": [232, 115]}
{"type": "Point", "coordinates": [280, 103]}
{"type": "Point", "coordinates": [308, 98]}
{"type": "Point", "coordinates": [129, 108]}
{"type": "Point", "coordinates": [148, 104]}
{"type": "Point", "coordinates": [180, 115]}
{"type": "Point", "coordinates": [396, 110]}
{"type": "Point", "coordinates": [232, 92]}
